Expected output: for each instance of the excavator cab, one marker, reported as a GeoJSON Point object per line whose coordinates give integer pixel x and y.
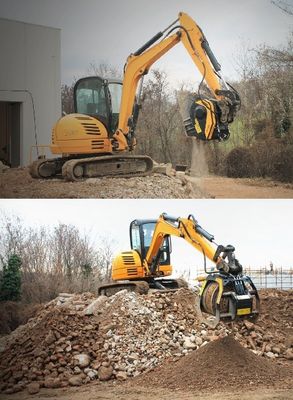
{"type": "Point", "coordinates": [141, 235]}
{"type": "Point", "coordinates": [99, 98]}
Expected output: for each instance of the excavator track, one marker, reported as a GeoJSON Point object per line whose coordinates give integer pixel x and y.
{"type": "Point", "coordinates": [110, 166]}
{"type": "Point", "coordinates": [77, 169]}
{"type": "Point", "coordinates": [140, 287]}
{"type": "Point", "coordinates": [44, 169]}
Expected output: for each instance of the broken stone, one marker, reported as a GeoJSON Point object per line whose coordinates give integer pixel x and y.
{"type": "Point", "coordinates": [50, 338]}
{"type": "Point", "coordinates": [52, 383]}
{"type": "Point", "coordinates": [249, 325]}
{"type": "Point", "coordinates": [96, 306]}
{"type": "Point", "coordinates": [105, 373]}
{"type": "Point", "coordinates": [83, 360]}
{"type": "Point", "coordinates": [121, 375]}
{"type": "Point", "coordinates": [75, 380]}
{"type": "Point", "coordinates": [188, 345]}
{"type": "Point", "coordinates": [33, 387]}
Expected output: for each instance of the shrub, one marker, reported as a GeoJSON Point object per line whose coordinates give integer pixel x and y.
{"type": "Point", "coordinates": [240, 163]}
{"type": "Point", "coordinates": [283, 165]}
{"type": "Point", "coordinates": [11, 279]}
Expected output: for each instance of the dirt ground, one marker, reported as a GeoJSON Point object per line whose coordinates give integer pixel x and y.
{"type": "Point", "coordinates": [219, 187]}
{"type": "Point", "coordinates": [106, 391]}
{"type": "Point", "coordinates": [17, 183]}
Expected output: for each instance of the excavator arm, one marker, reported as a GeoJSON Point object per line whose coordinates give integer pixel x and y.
{"type": "Point", "coordinates": [189, 230]}
{"type": "Point", "coordinates": [205, 119]}
{"type": "Point", "coordinates": [225, 293]}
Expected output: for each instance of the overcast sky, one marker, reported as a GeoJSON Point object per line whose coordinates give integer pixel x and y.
{"type": "Point", "coordinates": [109, 30]}
{"type": "Point", "coordinates": [261, 230]}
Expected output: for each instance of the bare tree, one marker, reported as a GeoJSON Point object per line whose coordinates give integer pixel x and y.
{"type": "Point", "coordinates": [160, 128]}
{"type": "Point", "coordinates": [103, 69]}
{"type": "Point", "coordinates": [55, 260]}
{"type": "Point", "coordinates": [67, 99]}
{"type": "Point", "coordinates": [284, 6]}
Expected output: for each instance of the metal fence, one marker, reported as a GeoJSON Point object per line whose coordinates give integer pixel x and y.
{"type": "Point", "coordinates": [279, 278]}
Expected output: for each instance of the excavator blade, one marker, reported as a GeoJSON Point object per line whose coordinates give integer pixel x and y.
{"type": "Point", "coordinates": [76, 169]}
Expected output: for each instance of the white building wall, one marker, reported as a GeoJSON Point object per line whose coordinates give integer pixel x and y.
{"type": "Point", "coordinates": [30, 62]}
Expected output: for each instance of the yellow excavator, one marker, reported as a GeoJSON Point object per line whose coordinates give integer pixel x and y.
{"type": "Point", "coordinates": [225, 292]}
{"type": "Point", "coordinates": [92, 141]}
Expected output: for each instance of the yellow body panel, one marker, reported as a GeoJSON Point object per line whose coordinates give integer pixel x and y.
{"type": "Point", "coordinates": [165, 270]}
{"type": "Point", "coordinates": [80, 134]}
{"type": "Point", "coordinates": [128, 265]}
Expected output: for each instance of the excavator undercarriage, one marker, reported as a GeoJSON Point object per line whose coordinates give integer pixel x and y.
{"type": "Point", "coordinates": [76, 169]}
{"type": "Point", "coordinates": [142, 286]}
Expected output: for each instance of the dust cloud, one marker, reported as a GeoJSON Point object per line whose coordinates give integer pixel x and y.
{"type": "Point", "coordinates": [199, 165]}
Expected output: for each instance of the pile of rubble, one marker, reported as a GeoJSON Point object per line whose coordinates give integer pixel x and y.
{"type": "Point", "coordinates": [78, 338]}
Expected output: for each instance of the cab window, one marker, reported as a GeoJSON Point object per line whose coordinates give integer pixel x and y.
{"type": "Point", "coordinates": [91, 98]}
{"type": "Point", "coordinates": [135, 238]}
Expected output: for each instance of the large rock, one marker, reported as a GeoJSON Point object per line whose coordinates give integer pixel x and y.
{"type": "Point", "coordinates": [33, 388]}
{"type": "Point", "coordinates": [52, 383]}
{"type": "Point", "coordinates": [96, 307]}
{"type": "Point", "coordinates": [50, 338]}
{"type": "Point", "coordinates": [82, 359]}
{"type": "Point", "coordinates": [188, 344]}
{"type": "Point", "coordinates": [105, 373]}
{"type": "Point", "coordinates": [75, 380]}
{"type": "Point", "coordinates": [121, 376]}
{"type": "Point", "coordinates": [165, 169]}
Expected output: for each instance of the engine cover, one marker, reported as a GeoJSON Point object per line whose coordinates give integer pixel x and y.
{"type": "Point", "coordinates": [80, 134]}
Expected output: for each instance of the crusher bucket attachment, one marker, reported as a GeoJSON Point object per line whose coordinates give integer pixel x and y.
{"type": "Point", "coordinates": [227, 297]}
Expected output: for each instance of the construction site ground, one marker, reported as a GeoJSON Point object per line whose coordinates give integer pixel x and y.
{"type": "Point", "coordinates": [17, 183]}
{"type": "Point", "coordinates": [110, 391]}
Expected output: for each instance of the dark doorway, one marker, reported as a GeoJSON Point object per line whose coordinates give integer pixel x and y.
{"type": "Point", "coordinates": [10, 133]}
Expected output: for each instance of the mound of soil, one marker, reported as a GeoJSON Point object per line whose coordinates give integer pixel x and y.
{"type": "Point", "coordinates": [221, 364]}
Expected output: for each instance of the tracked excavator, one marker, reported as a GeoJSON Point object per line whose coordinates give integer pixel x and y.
{"type": "Point", "coordinates": [92, 141]}
{"type": "Point", "coordinates": [225, 292]}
